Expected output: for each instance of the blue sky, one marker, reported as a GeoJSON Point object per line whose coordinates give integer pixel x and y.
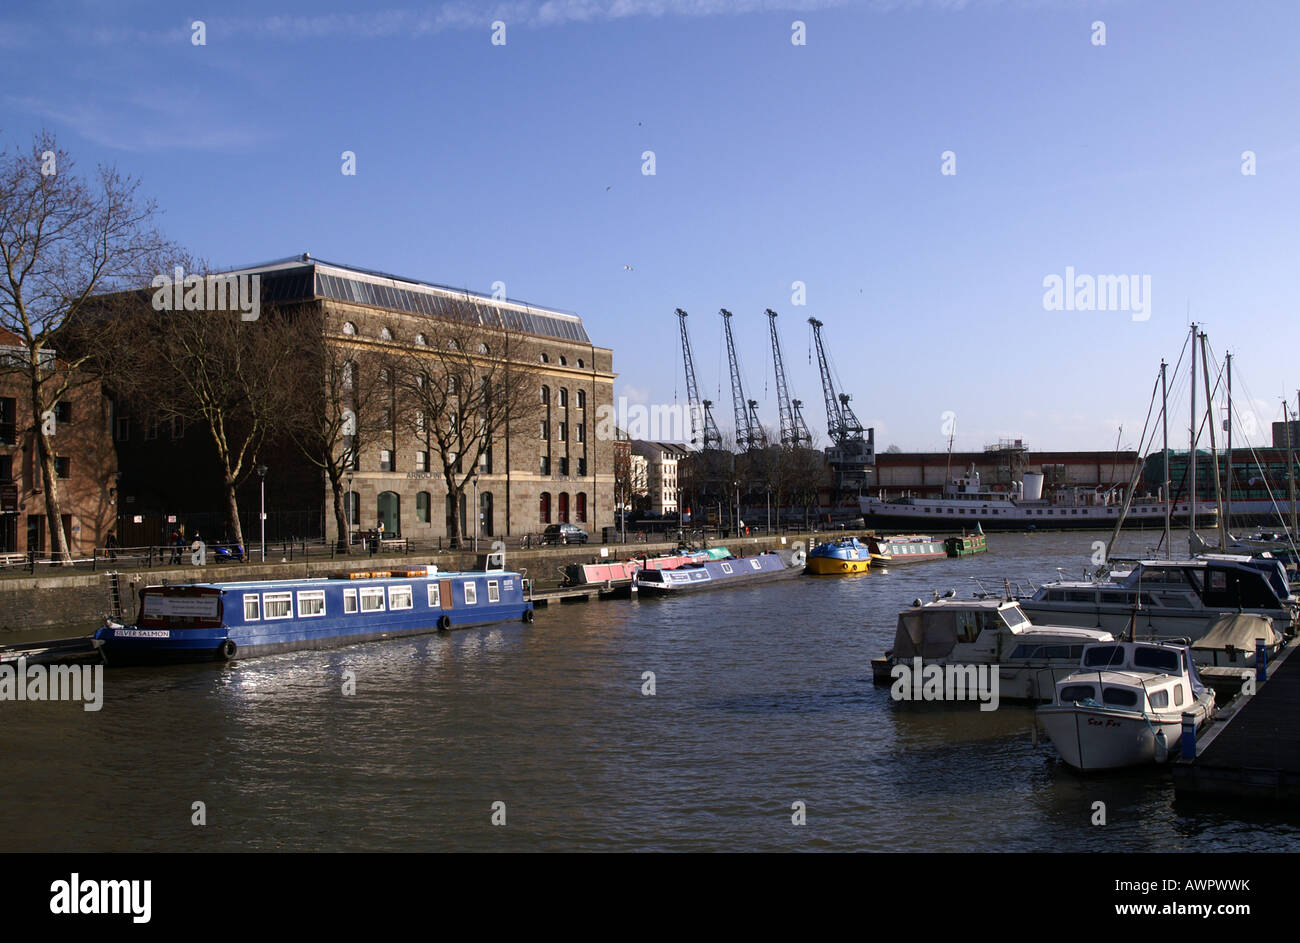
{"type": "Point", "coordinates": [775, 163]}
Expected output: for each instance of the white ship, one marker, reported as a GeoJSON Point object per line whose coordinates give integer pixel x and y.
{"type": "Point", "coordinates": [966, 502]}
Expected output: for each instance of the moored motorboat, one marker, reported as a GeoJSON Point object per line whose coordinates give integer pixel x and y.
{"type": "Point", "coordinates": [983, 634]}
{"type": "Point", "coordinates": [839, 557]}
{"type": "Point", "coordinates": [1125, 704]}
{"type": "Point", "coordinates": [967, 544]}
{"type": "Point", "coordinates": [906, 548]}
{"type": "Point", "coordinates": [225, 621]}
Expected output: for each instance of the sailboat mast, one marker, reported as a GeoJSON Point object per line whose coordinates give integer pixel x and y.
{"type": "Point", "coordinates": [1164, 421]}
{"type": "Point", "coordinates": [1231, 476]}
{"type": "Point", "coordinates": [1290, 467]}
{"type": "Point", "coordinates": [1191, 519]}
{"type": "Point", "coordinates": [1214, 452]}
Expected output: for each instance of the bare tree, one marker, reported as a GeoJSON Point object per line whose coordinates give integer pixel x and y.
{"type": "Point", "coordinates": [461, 393]}
{"type": "Point", "coordinates": [232, 377]}
{"type": "Point", "coordinates": [63, 241]}
{"type": "Point", "coordinates": [334, 405]}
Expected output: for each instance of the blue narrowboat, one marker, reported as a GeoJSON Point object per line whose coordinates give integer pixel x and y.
{"type": "Point", "coordinates": [226, 621]}
{"type": "Point", "coordinates": [715, 574]}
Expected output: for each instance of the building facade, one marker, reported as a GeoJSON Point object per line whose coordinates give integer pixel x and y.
{"type": "Point", "coordinates": [662, 483]}
{"type": "Point", "coordinates": [85, 465]}
{"type": "Point", "coordinates": [549, 469]}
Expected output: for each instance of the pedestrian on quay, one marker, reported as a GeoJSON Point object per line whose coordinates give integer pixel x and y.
{"type": "Point", "coordinates": [178, 544]}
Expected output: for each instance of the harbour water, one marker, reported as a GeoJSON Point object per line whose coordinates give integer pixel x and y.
{"type": "Point", "coordinates": [762, 699]}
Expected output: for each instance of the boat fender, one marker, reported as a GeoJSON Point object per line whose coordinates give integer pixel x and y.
{"type": "Point", "coordinates": [528, 616]}
{"type": "Point", "coordinates": [444, 623]}
{"type": "Point", "coordinates": [1161, 747]}
{"type": "Point", "coordinates": [227, 650]}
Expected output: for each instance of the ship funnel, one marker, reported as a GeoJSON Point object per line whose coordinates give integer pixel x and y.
{"type": "Point", "coordinates": [1033, 486]}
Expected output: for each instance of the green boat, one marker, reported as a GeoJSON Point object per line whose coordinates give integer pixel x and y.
{"type": "Point", "coordinates": [967, 545]}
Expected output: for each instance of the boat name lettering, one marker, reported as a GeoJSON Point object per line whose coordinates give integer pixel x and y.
{"type": "Point", "coordinates": [141, 633]}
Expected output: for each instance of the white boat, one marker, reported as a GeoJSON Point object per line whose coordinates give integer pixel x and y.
{"type": "Point", "coordinates": [1168, 599]}
{"type": "Point", "coordinates": [965, 502]}
{"type": "Point", "coordinates": [1124, 705]}
{"type": "Point", "coordinates": [985, 633]}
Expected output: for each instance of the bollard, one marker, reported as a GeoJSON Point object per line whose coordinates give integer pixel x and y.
{"type": "Point", "coordinates": [1188, 739]}
{"type": "Point", "coordinates": [1261, 661]}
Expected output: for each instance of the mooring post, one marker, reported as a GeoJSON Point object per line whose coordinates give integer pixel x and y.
{"type": "Point", "coordinates": [1188, 739]}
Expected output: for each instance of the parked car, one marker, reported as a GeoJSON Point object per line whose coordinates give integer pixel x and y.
{"type": "Point", "coordinates": [564, 534]}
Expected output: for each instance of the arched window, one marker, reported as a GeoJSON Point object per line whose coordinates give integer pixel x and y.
{"type": "Point", "coordinates": [582, 399]}
{"type": "Point", "coordinates": [389, 513]}
{"type": "Point", "coordinates": [564, 398]}
{"type": "Point", "coordinates": [485, 513]}
{"type": "Point", "coordinates": [483, 349]}
{"type": "Point", "coordinates": [546, 395]}
{"type": "Point", "coordinates": [579, 363]}
{"type": "Point", "coordinates": [563, 362]}
{"type": "Point", "coordinates": [545, 359]}
{"type": "Point", "coordinates": [349, 369]}
{"type": "Point", "coordinates": [545, 515]}
{"type": "Point", "coordinates": [422, 504]}
{"type": "Point", "coordinates": [581, 509]}
{"type": "Point", "coordinates": [352, 508]}
{"type": "Point", "coordinates": [349, 328]}
{"type": "Point", "coordinates": [385, 334]}
{"type": "Point", "coordinates": [421, 340]}
{"type": "Point", "coordinates": [564, 507]}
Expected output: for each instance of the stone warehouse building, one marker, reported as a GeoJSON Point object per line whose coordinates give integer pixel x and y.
{"type": "Point", "coordinates": [551, 469]}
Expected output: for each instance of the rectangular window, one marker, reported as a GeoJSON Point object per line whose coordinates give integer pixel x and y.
{"type": "Point", "coordinates": [471, 594]}
{"type": "Point", "coordinates": [252, 607]}
{"type": "Point", "coordinates": [564, 432]}
{"type": "Point", "coordinates": [63, 412]}
{"type": "Point", "coordinates": [564, 466]}
{"type": "Point", "coordinates": [278, 605]}
{"type": "Point", "coordinates": [494, 591]}
{"type": "Point", "coordinates": [546, 464]}
{"type": "Point", "coordinates": [545, 434]}
{"type": "Point", "coordinates": [399, 597]}
{"type": "Point", "coordinates": [63, 467]}
{"type": "Point", "coordinates": [581, 432]}
{"type": "Point", "coordinates": [435, 598]}
{"type": "Point", "coordinates": [582, 467]}
{"type": "Point", "coordinates": [311, 602]}
{"type": "Point", "coordinates": [349, 600]}
{"type": "Point", "coordinates": [385, 460]}
{"type": "Point", "coordinates": [422, 461]}
{"type": "Point", "coordinates": [372, 599]}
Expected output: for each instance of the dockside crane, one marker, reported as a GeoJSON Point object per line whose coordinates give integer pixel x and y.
{"type": "Point", "coordinates": [794, 433]}
{"type": "Point", "coordinates": [853, 451]}
{"type": "Point", "coordinates": [699, 407]}
{"type": "Point", "coordinates": [749, 434]}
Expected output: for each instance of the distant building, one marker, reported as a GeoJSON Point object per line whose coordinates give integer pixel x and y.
{"type": "Point", "coordinates": [85, 465]}
{"type": "Point", "coordinates": [661, 473]}
{"type": "Point", "coordinates": [1280, 430]}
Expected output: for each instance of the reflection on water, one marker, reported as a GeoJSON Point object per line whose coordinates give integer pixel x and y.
{"type": "Point", "coordinates": [763, 697]}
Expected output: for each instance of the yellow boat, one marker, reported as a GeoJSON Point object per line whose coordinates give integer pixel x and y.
{"type": "Point", "coordinates": [839, 558]}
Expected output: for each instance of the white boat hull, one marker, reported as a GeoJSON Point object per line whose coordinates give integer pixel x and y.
{"type": "Point", "coordinates": [1097, 738]}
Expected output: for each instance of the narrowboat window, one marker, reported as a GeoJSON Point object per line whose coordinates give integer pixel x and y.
{"type": "Point", "coordinates": [755, 564]}
{"type": "Point", "coordinates": [1178, 695]}
{"type": "Point", "coordinates": [311, 603]}
{"type": "Point", "coordinates": [1119, 697]}
{"type": "Point", "coordinates": [1077, 692]}
{"type": "Point", "coordinates": [399, 597]}
{"type": "Point", "coordinates": [726, 568]}
{"type": "Point", "coordinates": [349, 600]}
{"type": "Point", "coordinates": [1158, 699]}
{"type": "Point", "coordinates": [435, 598]}
{"type": "Point", "coordinates": [278, 605]}
{"type": "Point", "coordinates": [252, 607]}
{"type": "Point", "coordinates": [494, 591]}
{"type": "Point", "coordinates": [471, 594]}
{"type": "Point", "coordinates": [372, 599]}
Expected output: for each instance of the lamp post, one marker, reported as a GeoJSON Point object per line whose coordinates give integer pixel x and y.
{"type": "Point", "coordinates": [769, 509]}
{"type": "Point", "coordinates": [261, 473]}
{"type": "Point", "coordinates": [737, 484]}
{"type": "Point", "coordinates": [349, 500]}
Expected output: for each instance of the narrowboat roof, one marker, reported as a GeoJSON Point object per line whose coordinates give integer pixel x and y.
{"type": "Point", "coordinates": [334, 580]}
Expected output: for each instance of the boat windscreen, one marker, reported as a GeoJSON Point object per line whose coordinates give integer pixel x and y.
{"type": "Point", "coordinates": [1014, 617]}
{"type": "Point", "coordinates": [1103, 656]}
{"type": "Point", "coordinates": [1157, 659]}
